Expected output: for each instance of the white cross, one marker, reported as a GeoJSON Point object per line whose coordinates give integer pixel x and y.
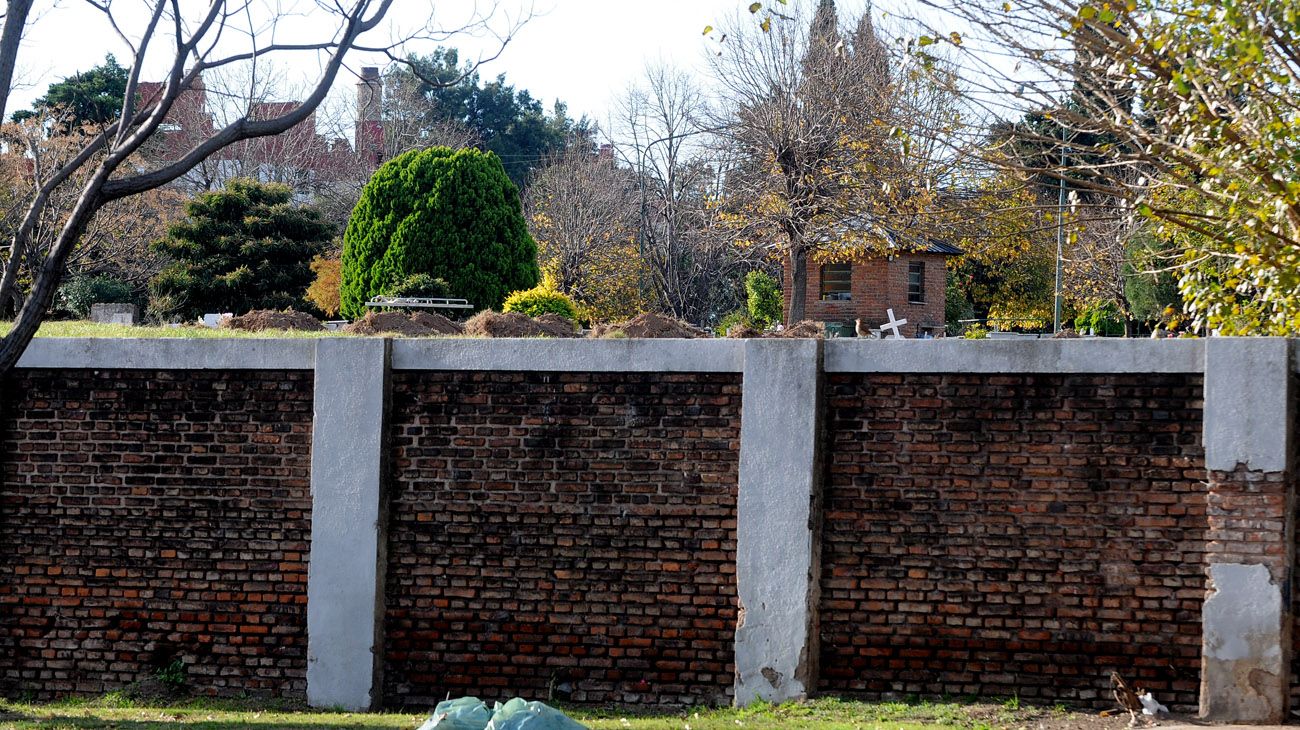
{"type": "Point", "coordinates": [893, 324]}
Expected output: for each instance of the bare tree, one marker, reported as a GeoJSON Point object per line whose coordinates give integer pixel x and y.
{"type": "Point", "coordinates": [833, 126]}
{"type": "Point", "coordinates": [662, 135]}
{"type": "Point", "coordinates": [221, 34]}
{"type": "Point", "coordinates": [581, 209]}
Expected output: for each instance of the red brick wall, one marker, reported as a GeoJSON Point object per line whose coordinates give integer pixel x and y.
{"type": "Point", "coordinates": [876, 286]}
{"type": "Point", "coordinates": [1013, 535]}
{"type": "Point", "coordinates": [152, 516]}
{"type": "Point", "coordinates": [575, 527]}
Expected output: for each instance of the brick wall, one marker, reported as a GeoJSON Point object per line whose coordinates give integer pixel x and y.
{"type": "Point", "coordinates": [147, 517]}
{"type": "Point", "coordinates": [876, 286]}
{"type": "Point", "coordinates": [562, 529]}
{"type": "Point", "coordinates": [1013, 535]}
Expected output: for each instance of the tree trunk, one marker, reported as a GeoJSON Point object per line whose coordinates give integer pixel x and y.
{"type": "Point", "coordinates": [798, 284]}
{"type": "Point", "coordinates": [15, 22]}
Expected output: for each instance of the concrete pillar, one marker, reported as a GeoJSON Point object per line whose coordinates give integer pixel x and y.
{"type": "Point", "coordinates": [1246, 618]}
{"type": "Point", "coordinates": [345, 582]}
{"type": "Point", "coordinates": [778, 521]}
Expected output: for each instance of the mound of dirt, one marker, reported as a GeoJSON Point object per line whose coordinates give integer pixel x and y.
{"type": "Point", "coordinates": [438, 324]}
{"type": "Point", "coordinates": [806, 328]}
{"type": "Point", "coordinates": [649, 325]}
{"type": "Point", "coordinates": [513, 324]}
{"type": "Point", "coordinates": [1066, 334]}
{"type": "Point", "coordinates": [269, 319]}
{"type": "Point", "coordinates": [556, 326]}
{"type": "Point", "coordinates": [420, 324]}
{"type": "Point", "coordinates": [741, 331]}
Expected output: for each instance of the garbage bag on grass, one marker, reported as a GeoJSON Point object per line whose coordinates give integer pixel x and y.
{"type": "Point", "coordinates": [469, 713]}
{"type": "Point", "coordinates": [464, 713]}
{"type": "Point", "coordinates": [518, 714]}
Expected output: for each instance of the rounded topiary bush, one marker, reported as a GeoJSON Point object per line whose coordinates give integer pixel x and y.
{"type": "Point", "coordinates": [453, 215]}
{"type": "Point", "coordinates": [541, 300]}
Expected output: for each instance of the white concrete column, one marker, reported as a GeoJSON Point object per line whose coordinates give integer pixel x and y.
{"type": "Point", "coordinates": [1246, 618]}
{"type": "Point", "coordinates": [345, 582]}
{"type": "Point", "coordinates": [778, 521]}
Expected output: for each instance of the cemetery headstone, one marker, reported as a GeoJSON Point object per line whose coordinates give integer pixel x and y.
{"type": "Point", "coordinates": [114, 313]}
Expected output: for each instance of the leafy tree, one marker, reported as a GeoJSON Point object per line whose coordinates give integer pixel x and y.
{"type": "Point", "coordinates": [833, 126]}
{"type": "Point", "coordinates": [324, 290]}
{"type": "Point", "coordinates": [1209, 148]}
{"type": "Point", "coordinates": [763, 299]}
{"type": "Point", "coordinates": [92, 97]}
{"type": "Point", "coordinates": [506, 121]}
{"type": "Point", "coordinates": [243, 248]}
{"type": "Point", "coordinates": [453, 215]}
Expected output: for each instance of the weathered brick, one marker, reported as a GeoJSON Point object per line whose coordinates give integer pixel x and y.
{"type": "Point", "coordinates": [125, 545]}
{"type": "Point", "coordinates": [1010, 534]}
{"type": "Point", "coordinates": [571, 526]}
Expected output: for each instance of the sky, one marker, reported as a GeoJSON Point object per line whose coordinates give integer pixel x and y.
{"type": "Point", "coordinates": [584, 52]}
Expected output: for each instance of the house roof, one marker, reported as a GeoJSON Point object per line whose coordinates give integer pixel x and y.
{"type": "Point", "coordinates": [892, 237]}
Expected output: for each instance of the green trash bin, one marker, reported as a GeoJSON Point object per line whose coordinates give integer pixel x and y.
{"type": "Point", "coordinates": [840, 329]}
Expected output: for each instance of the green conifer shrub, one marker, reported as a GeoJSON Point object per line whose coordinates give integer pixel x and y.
{"type": "Point", "coordinates": [242, 248]}
{"type": "Point", "coordinates": [453, 215]}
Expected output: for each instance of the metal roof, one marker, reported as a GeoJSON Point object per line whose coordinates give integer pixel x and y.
{"type": "Point", "coordinates": [931, 245]}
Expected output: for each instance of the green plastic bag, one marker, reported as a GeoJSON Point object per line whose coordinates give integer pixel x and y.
{"type": "Point", "coordinates": [518, 714]}
{"type": "Point", "coordinates": [464, 713]}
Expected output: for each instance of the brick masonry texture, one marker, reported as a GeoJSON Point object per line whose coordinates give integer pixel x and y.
{"type": "Point", "coordinates": [567, 531]}
{"type": "Point", "coordinates": [1014, 535]}
{"type": "Point", "coordinates": [878, 285]}
{"type": "Point", "coordinates": [148, 517]}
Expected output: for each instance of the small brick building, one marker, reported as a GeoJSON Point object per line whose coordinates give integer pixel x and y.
{"type": "Point", "coordinates": [912, 283]}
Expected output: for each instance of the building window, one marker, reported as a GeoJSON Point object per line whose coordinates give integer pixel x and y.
{"type": "Point", "coordinates": [916, 282]}
{"type": "Point", "coordinates": [837, 282]}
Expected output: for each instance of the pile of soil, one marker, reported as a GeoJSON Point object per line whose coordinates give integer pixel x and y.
{"type": "Point", "coordinates": [741, 331]}
{"type": "Point", "coordinates": [649, 325]}
{"type": "Point", "coordinates": [438, 324]}
{"type": "Point", "coordinates": [419, 324]}
{"type": "Point", "coordinates": [1066, 334]}
{"type": "Point", "coordinates": [513, 324]}
{"type": "Point", "coordinates": [269, 319]}
{"type": "Point", "coordinates": [557, 326]}
{"type": "Point", "coordinates": [806, 328]}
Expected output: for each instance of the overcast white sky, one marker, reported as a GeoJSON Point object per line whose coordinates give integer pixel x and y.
{"type": "Point", "coordinates": [584, 52]}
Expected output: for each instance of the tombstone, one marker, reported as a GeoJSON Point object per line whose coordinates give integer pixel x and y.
{"type": "Point", "coordinates": [113, 313]}
{"type": "Point", "coordinates": [213, 320]}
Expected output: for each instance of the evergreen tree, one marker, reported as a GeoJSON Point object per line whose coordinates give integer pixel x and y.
{"type": "Point", "coordinates": [242, 248]}
{"type": "Point", "coordinates": [507, 121]}
{"type": "Point", "coordinates": [93, 97]}
{"type": "Point", "coordinates": [453, 215]}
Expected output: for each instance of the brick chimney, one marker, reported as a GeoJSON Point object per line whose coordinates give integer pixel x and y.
{"type": "Point", "coordinates": [369, 141]}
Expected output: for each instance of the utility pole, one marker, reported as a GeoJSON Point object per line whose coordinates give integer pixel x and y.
{"type": "Point", "coordinates": [1060, 239]}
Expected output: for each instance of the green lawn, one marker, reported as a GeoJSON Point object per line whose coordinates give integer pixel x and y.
{"type": "Point", "coordinates": [114, 712]}
{"type": "Point", "coordinates": [80, 328]}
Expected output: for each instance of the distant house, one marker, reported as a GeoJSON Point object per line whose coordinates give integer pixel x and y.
{"type": "Point", "coordinates": [912, 282]}
{"type": "Point", "coordinates": [301, 156]}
